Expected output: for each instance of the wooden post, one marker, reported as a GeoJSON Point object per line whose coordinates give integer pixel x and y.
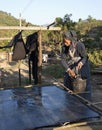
{"type": "Point", "coordinates": [39, 57]}
{"type": "Point", "coordinates": [19, 71]}
{"type": "Point", "coordinates": [29, 65]}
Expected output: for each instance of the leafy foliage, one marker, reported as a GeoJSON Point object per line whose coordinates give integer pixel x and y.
{"type": "Point", "coordinates": [55, 70]}
{"type": "Point", "coordinates": [95, 57]}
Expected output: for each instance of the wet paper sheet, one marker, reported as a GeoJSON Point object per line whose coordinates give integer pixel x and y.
{"type": "Point", "coordinates": [28, 108]}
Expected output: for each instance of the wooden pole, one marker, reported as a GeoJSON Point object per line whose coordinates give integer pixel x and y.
{"type": "Point", "coordinates": [19, 71]}
{"type": "Point", "coordinates": [29, 65]}
{"type": "Point", "coordinates": [28, 28]}
{"type": "Point", "coordinates": [40, 57]}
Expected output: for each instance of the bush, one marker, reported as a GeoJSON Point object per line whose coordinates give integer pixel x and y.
{"type": "Point", "coordinates": [95, 57]}
{"type": "Point", "coordinates": [55, 70]}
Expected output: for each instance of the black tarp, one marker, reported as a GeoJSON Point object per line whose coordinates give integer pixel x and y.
{"type": "Point", "coordinates": [28, 108]}
{"type": "Point", "coordinates": [19, 49]}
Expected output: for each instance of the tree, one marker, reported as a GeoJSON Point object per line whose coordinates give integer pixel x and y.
{"type": "Point", "coordinates": [68, 23]}
{"type": "Point", "coordinates": [89, 19]}
{"type": "Point", "coordinates": [65, 23]}
{"type": "Point", "coordinates": [59, 21]}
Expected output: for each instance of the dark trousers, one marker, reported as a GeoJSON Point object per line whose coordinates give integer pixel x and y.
{"type": "Point", "coordinates": [68, 81]}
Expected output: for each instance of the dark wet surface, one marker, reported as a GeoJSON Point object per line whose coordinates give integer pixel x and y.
{"type": "Point", "coordinates": [28, 108]}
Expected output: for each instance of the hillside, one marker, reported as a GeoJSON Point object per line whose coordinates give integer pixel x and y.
{"type": "Point", "coordinates": [6, 19]}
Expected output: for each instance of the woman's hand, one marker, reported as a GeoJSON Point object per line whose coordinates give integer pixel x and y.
{"type": "Point", "coordinates": [71, 73]}
{"type": "Point", "coordinates": [80, 64]}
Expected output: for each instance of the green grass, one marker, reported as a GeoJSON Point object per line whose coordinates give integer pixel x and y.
{"type": "Point", "coordinates": [54, 70]}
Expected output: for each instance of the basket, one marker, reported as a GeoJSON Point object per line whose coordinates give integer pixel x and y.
{"type": "Point", "coordinates": [79, 85]}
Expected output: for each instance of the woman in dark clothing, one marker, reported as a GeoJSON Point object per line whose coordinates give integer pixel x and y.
{"type": "Point", "coordinates": [75, 60]}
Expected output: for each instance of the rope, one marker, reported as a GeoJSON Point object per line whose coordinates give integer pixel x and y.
{"type": "Point", "coordinates": [26, 7]}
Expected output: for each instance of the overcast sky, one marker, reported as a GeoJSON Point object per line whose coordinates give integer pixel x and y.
{"type": "Point", "coordinates": [42, 12]}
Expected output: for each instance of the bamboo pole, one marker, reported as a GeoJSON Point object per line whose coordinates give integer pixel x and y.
{"type": "Point", "coordinates": [79, 124]}
{"type": "Point", "coordinates": [28, 28]}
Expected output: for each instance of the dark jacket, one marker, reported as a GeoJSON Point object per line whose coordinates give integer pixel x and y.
{"type": "Point", "coordinates": [78, 51]}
